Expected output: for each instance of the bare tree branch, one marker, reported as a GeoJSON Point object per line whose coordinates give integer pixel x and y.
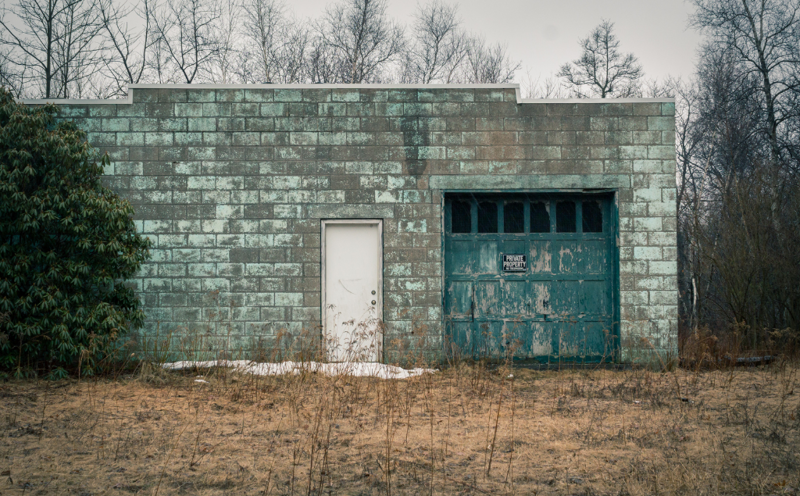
{"type": "Point", "coordinates": [765, 35]}
{"type": "Point", "coordinates": [487, 64]}
{"type": "Point", "coordinates": [186, 38]}
{"type": "Point", "coordinates": [50, 43]}
{"type": "Point", "coordinates": [439, 47]}
{"type": "Point", "coordinates": [278, 44]}
{"type": "Point", "coordinates": [125, 57]}
{"type": "Point", "coordinates": [361, 39]}
{"type": "Point", "coordinates": [229, 44]}
{"type": "Point", "coordinates": [538, 87]}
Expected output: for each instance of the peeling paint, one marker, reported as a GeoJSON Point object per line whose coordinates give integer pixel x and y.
{"type": "Point", "coordinates": [536, 313]}
{"type": "Point", "coordinates": [541, 257]}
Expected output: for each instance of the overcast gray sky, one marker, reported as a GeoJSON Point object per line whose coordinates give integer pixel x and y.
{"type": "Point", "coordinates": [544, 34]}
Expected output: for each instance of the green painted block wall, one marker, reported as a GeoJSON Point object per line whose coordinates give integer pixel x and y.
{"type": "Point", "coordinates": [231, 184]}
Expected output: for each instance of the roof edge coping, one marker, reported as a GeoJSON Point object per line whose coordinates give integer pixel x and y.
{"type": "Point", "coordinates": [129, 98]}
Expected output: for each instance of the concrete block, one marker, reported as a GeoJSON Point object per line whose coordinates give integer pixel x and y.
{"type": "Point", "coordinates": [130, 139]}
{"type": "Point", "coordinates": [604, 124]}
{"type": "Point", "coordinates": [635, 124]}
{"type": "Point", "coordinates": [633, 152]}
{"type": "Point", "coordinates": [657, 283]}
{"type": "Point", "coordinates": [647, 253]}
{"type": "Point", "coordinates": [628, 298]}
{"type": "Point", "coordinates": [664, 209]}
{"type": "Point", "coordinates": [644, 108]}
{"type": "Point", "coordinates": [662, 239]}
{"type": "Point", "coordinates": [198, 241]}
{"type": "Point", "coordinates": [660, 152]}
{"type": "Point", "coordinates": [664, 298]}
{"type": "Point", "coordinates": [647, 137]}
{"type": "Point", "coordinates": [647, 195]}
{"type": "Point", "coordinates": [119, 124]}
{"type": "Point", "coordinates": [289, 299]}
{"type": "Point", "coordinates": [624, 138]}
{"type": "Point", "coordinates": [605, 152]}
{"type": "Point", "coordinates": [647, 223]}
{"type": "Point", "coordinates": [666, 123]}
{"type": "Point", "coordinates": [633, 267]}
{"type": "Point", "coordinates": [345, 95]}
{"type": "Point", "coordinates": [663, 268]}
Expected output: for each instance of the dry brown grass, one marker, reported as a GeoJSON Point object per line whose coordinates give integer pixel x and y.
{"type": "Point", "coordinates": [466, 430]}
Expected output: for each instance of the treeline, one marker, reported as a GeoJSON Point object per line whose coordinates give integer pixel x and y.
{"type": "Point", "coordinates": [738, 150]}
{"type": "Point", "coordinates": [95, 48]}
{"type": "Point", "coordinates": [738, 116]}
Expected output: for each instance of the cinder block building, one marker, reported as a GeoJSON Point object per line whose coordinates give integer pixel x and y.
{"type": "Point", "coordinates": [381, 219]}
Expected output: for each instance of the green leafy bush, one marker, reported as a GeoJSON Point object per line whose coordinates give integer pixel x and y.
{"type": "Point", "coordinates": [66, 245]}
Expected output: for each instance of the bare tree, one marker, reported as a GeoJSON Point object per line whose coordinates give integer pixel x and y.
{"type": "Point", "coordinates": [324, 66]}
{"type": "Point", "coordinates": [8, 76]}
{"type": "Point", "coordinates": [291, 58]}
{"type": "Point", "coordinates": [278, 44]}
{"type": "Point", "coordinates": [186, 39]}
{"type": "Point", "coordinates": [30, 40]}
{"type": "Point", "coordinates": [487, 64]}
{"type": "Point", "coordinates": [538, 87]}
{"type": "Point", "coordinates": [78, 50]}
{"type": "Point", "coordinates": [438, 47]}
{"type": "Point", "coordinates": [744, 239]}
{"type": "Point", "coordinates": [263, 26]}
{"type": "Point", "coordinates": [127, 47]}
{"type": "Point", "coordinates": [158, 62]}
{"type": "Point", "coordinates": [737, 209]}
{"type": "Point", "coordinates": [655, 88]}
{"type": "Point", "coordinates": [50, 43]}
{"type": "Point", "coordinates": [601, 69]}
{"type": "Point", "coordinates": [362, 40]}
{"type": "Point", "coordinates": [687, 144]}
{"type": "Point", "coordinates": [60, 48]}
{"type": "Point", "coordinates": [765, 36]}
{"type": "Point", "coordinates": [226, 58]}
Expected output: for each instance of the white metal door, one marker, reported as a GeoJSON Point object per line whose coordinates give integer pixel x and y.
{"type": "Point", "coordinates": [351, 289]}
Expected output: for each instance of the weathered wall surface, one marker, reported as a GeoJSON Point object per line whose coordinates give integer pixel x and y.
{"type": "Point", "coordinates": [231, 184]}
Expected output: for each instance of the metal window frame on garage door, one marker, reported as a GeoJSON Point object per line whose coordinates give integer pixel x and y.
{"type": "Point", "coordinates": [534, 295]}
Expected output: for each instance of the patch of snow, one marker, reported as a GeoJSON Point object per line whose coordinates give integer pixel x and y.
{"type": "Point", "coordinates": [355, 369]}
{"type": "Point", "coordinates": [201, 381]}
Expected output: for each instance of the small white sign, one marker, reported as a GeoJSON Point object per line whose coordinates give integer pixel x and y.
{"type": "Point", "coordinates": [515, 263]}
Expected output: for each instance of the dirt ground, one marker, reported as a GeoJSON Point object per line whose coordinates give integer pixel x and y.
{"type": "Point", "coordinates": [464, 430]}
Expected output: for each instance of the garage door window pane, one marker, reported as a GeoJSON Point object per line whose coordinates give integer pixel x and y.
{"type": "Point", "coordinates": [514, 217]}
{"type": "Point", "coordinates": [540, 218]}
{"type": "Point", "coordinates": [592, 217]}
{"type": "Point", "coordinates": [487, 217]}
{"type": "Point", "coordinates": [565, 217]}
{"type": "Point", "coordinates": [460, 217]}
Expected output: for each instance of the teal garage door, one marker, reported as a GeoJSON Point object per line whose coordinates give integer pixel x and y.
{"type": "Point", "coordinates": [530, 276]}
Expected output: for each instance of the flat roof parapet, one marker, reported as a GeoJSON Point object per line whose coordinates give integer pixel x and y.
{"type": "Point", "coordinates": [130, 98]}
